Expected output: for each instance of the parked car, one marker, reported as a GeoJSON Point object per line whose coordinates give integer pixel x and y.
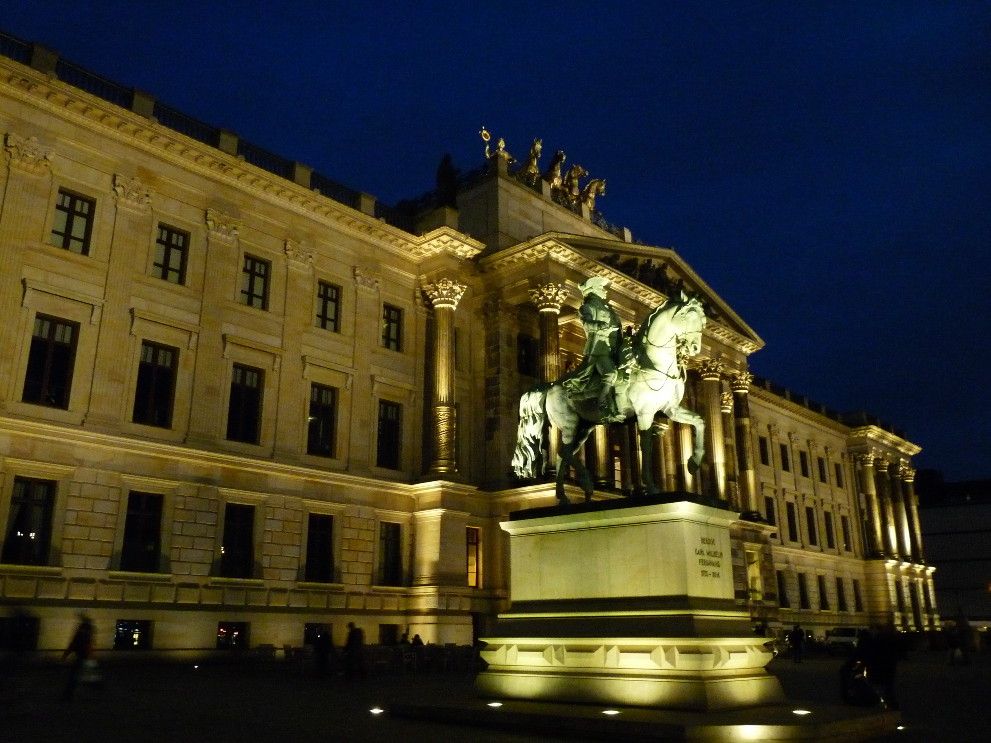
{"type": "Point", "coordinates": [841, 639]}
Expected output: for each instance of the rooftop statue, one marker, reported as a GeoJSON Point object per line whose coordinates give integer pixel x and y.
{"type": "Point", "coordinates": [531, 168]}
{"type": "Point", "coordinates": [615, 382]}
{"type": "Point", "coordinates": [595, 187]}
{"type": "Point", "coordinates": [572, 191]}
{"type": "Point", "coordinates": [553, 174]}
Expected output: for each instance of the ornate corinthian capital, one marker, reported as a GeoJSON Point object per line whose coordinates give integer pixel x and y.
{"type": "Point", "coordinates": [131, 192]}
{"type": "Point", "coordinates": [444, 293]}
{"type": "Point", "coordinates": [27, 154]}
{"type": "Point", "coordinates": [549, 297]}
{"type": "Point", "coordinates": [710, 370]}
{"type": "Point", "coordinates": [741, 381]}
{"type": "Point", "coordinates": [297, 254]}
{"type": "Point", "coordinates": [222, 226]}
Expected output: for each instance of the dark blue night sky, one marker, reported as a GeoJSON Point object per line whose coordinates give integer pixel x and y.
{"type": "Point", "coordinates": [824, 166]}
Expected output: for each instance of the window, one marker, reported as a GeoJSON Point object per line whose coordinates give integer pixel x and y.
{"type": "Point", "coordinates": [328, 307]}
{"type": "Point", "coordinates": [845, 529]}
{"type": "Point", "coordinates": [388, 454]}
{"type": "Point", "coordinates": [792, 521]}
{"type": "Point", "coordinates": [858, 602]}
{"type": "Point", "coordinates": [473, 545]}
{"type": "Point", "coordinates": [389, 635]}
{"type": "Point", "coordinates": [171, 249]}
{"type": "Point", "coordinates": [830, 535]}
{"type": "Point", "coordinates": [841, 595]}
{"type": "Point", "coordinates": [319, 549]}
{"type": "Point", "coordinates": [154, 392]}
{"type": "Point", "coordinates": [823, 477]}
{"type": "Point", "coordinates": [803, 592]}
{"type": "Point", "coordinates": [29, 526]}
{"type": "Point", "coordinates": [48, 379]}
{"type": "Point", "coordinates": [254, 282]}
{"type": "Point", "coordinates": [390, 563]}
{"type": "Point", "coordinates": [770, 510]}
{"type": "Point", "coordinates": [803, 463]}
{"type": "Point", "coordinates": [245, 405]}
{"type": "Point", "coordinates": [142, 533]}
{"type": "Point", "coordinates": [838, 471]}
{"type": "Point", "coordinates": [322, 421]}
{"type": "Point", "coordinates": [783, 590]}
{"type": "Point", "coordinates": [527, 355]}
{"type": "Point", "coordinates": [19, 632]}
{"type": "Point", "coordinates": [765, 451]}
{"type": "Point", "coordinates": [232, 635]}
{"type": "Point", "coordinates": [823, 593]}
{"type": "Point", "coordinates": [392, 328]}
{"type": "Point", "coordinates": [73, 224]}
{"type": "Point", "coordinates": [132, 634]}
{"type": "Point", "coordinates": [785, 462]}
{"type": "Point", "coordinates": [237, 559]}
{"type": "Point", "coordinates": [810, 522]}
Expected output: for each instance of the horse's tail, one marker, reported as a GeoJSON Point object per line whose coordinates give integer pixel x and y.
{"type": "Point", "coordinates": [530, 434]}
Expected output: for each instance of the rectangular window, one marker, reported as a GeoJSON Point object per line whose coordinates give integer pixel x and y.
{"type": "Point", "coordinates": [783, 601]}
{"type": "Point", "coordinates": [254, 282]}
{"type": "Point", "coordinates": [389, 445]}
{"type": "Point", "coordinates": [823, 593]}
{"type": "Point", "coordinates": [141, 549]}
{"type": "Point", "coordinates": [858, 602]}
{"type": "Point", "coordinates": [328, 307]}
{"type": "Point", "coordinates": [155, 389]}
{"type": "Point", "coordinates": [132, 634]}
{"type": "Point", "coordinates": [237, 555]}
{"type": "Point", "coordinates": [322, 421]}
{"type": "Point", "coordinates": [803, 463]}
{"type": "Point", "coordinates": [838, 471]}
{"type": "Point", "coordinates": [232, 635]}
{"type": "Point", "coordinates": [770, 510]}
{"type": "Point", "coordinates": [821, 463]}
{"type": "Point", "coordinates": [810, 522]}
{"type": "Point", "coordinates": [473, 546]}
{"type": "Point", "coordinates": [392, 328]}
{"type": "Point", "coordinates": [841, 595]}
{"type": "Point", "coordinates": [29, 525]}
{"type": "Point", "coordinates": [319, 549]}
{"type": "Point", "coordinates": [244, 409]}
{"type": "Point", "coordinates": [830, 534]}
{"type": "Point", "coordinates": [803, 592]}
{"type": "Point", "coordinates": [73, 225]}
{"type": "Point", "coordinates": [48, 379]}
{"type": "Point", "coordinates": [764, 448]}
{"type": "Point", "coordinates": [785, 461]}
{"type": "Point", "coordinates": [171, 249]}
{"type": "Point", "coordinates": [792, 521]}
{"type": "Point", "coordinates": [390, 563]}
{"type": "Point", "coordinates": [845, 529]}
{"type": "Point", "coordinates": [527, 355]}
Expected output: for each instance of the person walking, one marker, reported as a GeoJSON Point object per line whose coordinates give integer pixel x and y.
{"type": "Point", "coordinates": [81, 646]}
{"type": "Point", "coordinates": [354, 652]}
{"type": "Point", "coordinates": [796, 638]}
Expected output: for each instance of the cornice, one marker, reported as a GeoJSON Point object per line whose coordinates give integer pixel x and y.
{"type": "Point", "coordinates": [800, 411]}
{"type": "Point", "coordinates": [873, 435]}
{"type": "Point", "coordinates": [551, 247]}
{"type": "Point", "coordinates": [82, 108]}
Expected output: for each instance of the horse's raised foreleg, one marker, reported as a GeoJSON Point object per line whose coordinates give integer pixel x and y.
{"type": "Point", "coordinates": [684, 415]}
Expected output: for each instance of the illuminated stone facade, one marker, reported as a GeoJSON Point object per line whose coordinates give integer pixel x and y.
{"type": "Point", "coordinates": [241, 401]}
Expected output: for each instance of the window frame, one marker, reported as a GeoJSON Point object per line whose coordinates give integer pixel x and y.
{"type": "Point", "coordinates": [236, 561]}
{"type": "Point", "coordinates": [383, 459]}
{"type": "Point", "coordinates": [389, 556]}
{"type": "Point", "coordinates": [42, 552]}
{"type": "Point", "coordinates": [154, 565]}
{"type": "Point", "coordinates": [392, 327]}
{"type": "Point", "coordinates": [164, 269]}
{"type": "Point", "coordinates": [249, 294]}
{"type": "Point", "coordinates": [326, 569]}
{"type": "Point", "coordinates": [237, 424]}
{"type": "Point", "coordinates": [329, 321]}
{"type": "Point", "coordinates": [150, 368]}
{"type": "Point", "coordinates": [328, 420]}
{"type": "Point", "coordinates": [65, 239]}
{"type": "Point", "coordinates": [51, 344]}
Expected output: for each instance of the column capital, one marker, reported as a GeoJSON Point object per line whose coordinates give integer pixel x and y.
{"type": "Point", "coordinates": [222, 226]}
{"type": "Point", "coordinates": [710, 370]}
{"type": "Point", "coordinates": [906, 473]}
{"type": "Point", "coordinates": [726, 402]}
{"type": "Point", "coordinates": [27, 154]}
{"type": "Point", "coordinates": [549, 297]}
{"type": "Point", "coordinates": [131, 192]}
{"type": "Point", "coordinates": [741, 381]}
{"type": "Point", "coordinates": [444, 293]}
{"type": "Point", "coordinates": [864, 459]}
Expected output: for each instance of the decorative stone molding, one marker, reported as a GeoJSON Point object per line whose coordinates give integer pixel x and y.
{"type": "Point", "coordinates": [27, 155]}
{"type": "Point", "coordinates": [726, 402]}
{"type": "Point", "coordinates": [297, 254]}
{"type": "Point", "coordinates": [710, 370]}
{"type": "Point", "coordinates": [222, 226]}
{"type": "Point", "coordinates": [741, 381]}
{"type": "Point", "coordinates": [131, 192]}
{"type": "Point", "coordinates": [794, 438]}
{"type": "Point", "coordinates": [906, 473]}
{"type": "Point", "coordinates": [549, 297]}
{"type": "Point", "coordinates": [773, 430]}
{"type": "Point", "coordinates": [444, 293]}
{"type": "Point", "coordinates": [864, 460]}
{"type": "Point", "coordinates": [364, 279]}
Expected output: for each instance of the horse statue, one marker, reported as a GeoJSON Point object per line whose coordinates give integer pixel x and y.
{"type": "Point", "coordinates": [669, 335]}
{"type": "Point", "coordinates": [595, 187]}
{"type": "Point", "coordinates": [553, 174]}
{"type": "Point", "coordinates": [573, 191]}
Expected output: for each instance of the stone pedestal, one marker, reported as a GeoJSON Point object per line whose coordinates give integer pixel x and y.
{"type": "Point", "coordinates": [626, 603]}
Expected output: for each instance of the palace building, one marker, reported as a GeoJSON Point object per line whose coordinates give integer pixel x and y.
{"type": "Point", "coordinates": [241, 402]}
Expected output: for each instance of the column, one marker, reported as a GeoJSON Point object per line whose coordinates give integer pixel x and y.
{"type": "Point", "coordinates": [671, 483]}
{"type": "Point", "coordinates": [902, 536]}
{"type": "Point", "coordinates": [907, 475]}
{"type": "Point", "coordinates": [549, 299]}
{"type": "Point", "coordinates": [658, 459]}
{"type": "Point", "coordinates": [883, 485]}
{"type": "Point", "coordinates": [711, 373]}
{"type": "Point", "coordinates": [740, 384]}
{"type": "Point", "coordinates": [865, 469]}
{"type": "Point", "coordinates": [732, 473]}
{"type": "Point", "coordinates": [444, 295]}
{"type": "Point", "coordinates": [603, 471]}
